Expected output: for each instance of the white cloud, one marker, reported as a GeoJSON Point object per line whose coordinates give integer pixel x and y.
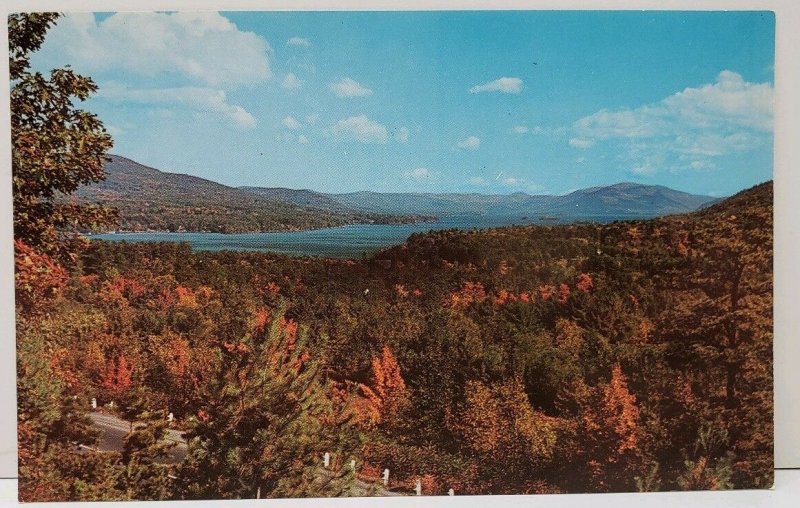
{"type": "Point", "coordinates": [647, 166]}
{"type": "Point", "coordinates": [162, 113]}
{"type": "Point", "coordinates": [302, 139]}
{"type": "Point", "coordinates": [402, 135]}
{"type": "Point", "coordinates": [291, 82]}
{"type": "Point", "coordinates": [698, 165]}
{"type": "Point", "coordinates": [517, 182]}
{"type": "Point", "coordinates": [114, 130]}
{"type": "Point", "coordinates": [301, 62]}
{"type": "Point", "coordinates": [712, 144]}
{"type": "Point", "coordinates": [198, 99]}
{"type": "Point", "coordinates": [312, 119]}
{"type": "Point", "coordinates": [502, 85]}
{"type": "Point", "coordinates": [511, 181]}
{"type": "Point", "coordinates": [241, 118]}
{"type": "Point", "coordinates": [348, 87]}
{"type": "Point", "coordinates": [520, 129]}
{"type": "Point", "coordinates": [197, 48]}
{"type": "Point", "coordinates": [539, 130]}
{"type": "Point", "coordinates": [361, 129]}
{"type": "Point", "coordinates": [731, 101]}
{"type": "Point", "coordinates": [477, 180]}
{"type": "Point", "coordinates": [298, 41]}
{"type": "Point", "coordinates": [581, 143]}
{"type": "Point", "coordinates": [717, 119]}
{"type": "Point", "coordinates": [641, 123]}
{"type": "Point", "coordinates": [291, 123]}
{"type": "Point", "coordinates": [470, 143]}
{"type": "Point", "coordinates": [419, 174]}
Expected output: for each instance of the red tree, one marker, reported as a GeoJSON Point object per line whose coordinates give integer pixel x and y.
{"type": "Point", "coordinates": [117, 376]}
{"type": "Point", "coordinates": [37, 277]}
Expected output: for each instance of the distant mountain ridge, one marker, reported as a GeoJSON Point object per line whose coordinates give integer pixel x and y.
{"type": "Point", "coordinates": [150, 199]}
{"type": "Point", "coordinates": [622, 200]}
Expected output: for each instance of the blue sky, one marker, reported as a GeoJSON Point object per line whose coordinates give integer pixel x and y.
{"type": "Point", "coordinates": [490, 102]}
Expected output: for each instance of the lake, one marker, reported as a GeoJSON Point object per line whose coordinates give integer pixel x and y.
{"type": "Point", "coordinates": [353, 241]}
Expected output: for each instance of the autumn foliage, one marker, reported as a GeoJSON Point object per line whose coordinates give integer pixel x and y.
{"type": "Point", "coordinates": [37, 276]}
{"type": "Point", "coordinates": [532, 361]}
{"type": "Point", "coordinates": [500, 425]}
{"type": "Point", "coordinates": [386, 394]}
{"type": "Point", "coordinates": [116, 377]}
{"type": "Point", "coordinates": [584, 283]}
{"type": "Point", "coordinates": [469, 294]}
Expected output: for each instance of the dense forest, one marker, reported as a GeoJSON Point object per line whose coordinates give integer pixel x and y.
{"type": "Point", "coordinates": [628, 356]}
{"type": "Point", "coordinates": [635, 355]}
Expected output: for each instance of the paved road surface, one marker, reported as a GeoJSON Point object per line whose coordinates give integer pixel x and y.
{"type": "Point", "coordinates": [113, 431]}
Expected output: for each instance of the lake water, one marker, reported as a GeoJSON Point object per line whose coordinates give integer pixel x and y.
{"type": "Point", "coordinates": [352, 241]}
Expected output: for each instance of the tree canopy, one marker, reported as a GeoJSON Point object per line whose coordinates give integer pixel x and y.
{"type": "Point", "coordinates": [56, 147]}
{"type": "Point", "coordinates": [572, 358]}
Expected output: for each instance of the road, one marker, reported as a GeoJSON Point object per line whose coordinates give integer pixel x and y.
{"type": "Point", "coordinates": [113, 431]}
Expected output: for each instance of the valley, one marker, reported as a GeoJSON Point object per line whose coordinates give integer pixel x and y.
{"type": "Point", "coordinates": [149, 200]}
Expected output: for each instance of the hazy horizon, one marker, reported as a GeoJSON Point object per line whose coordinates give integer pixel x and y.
{"type": "Point", "coordinates": [474, 193]}
{"type": "Point", "coordinates": [540, 102]}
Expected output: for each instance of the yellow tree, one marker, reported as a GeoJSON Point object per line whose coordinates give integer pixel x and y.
{"type": "Point", "coordinates": [387, 394]}
{"type": "Point", "coordinates": [512, 440]}
{"type": "Point", "coordinates": [609, 426]}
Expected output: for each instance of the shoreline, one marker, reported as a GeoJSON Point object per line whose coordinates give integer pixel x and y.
{"type": "Point", "coordinates": [434, 220]}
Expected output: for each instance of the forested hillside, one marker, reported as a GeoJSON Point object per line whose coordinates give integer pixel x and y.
{"type": "Point", "coordinates": [149, 199]}
{"type": "Point", "coordinates": [633, 355]}
{"type": "Point", "coordinates": [630, 356]}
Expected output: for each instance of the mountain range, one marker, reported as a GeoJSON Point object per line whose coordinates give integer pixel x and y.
{"type": "Point", "coordinates": [149, 199]}
{"type": "Point", "coordinates": [622, 200]}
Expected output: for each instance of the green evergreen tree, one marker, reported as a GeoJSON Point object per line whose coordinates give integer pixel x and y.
{"type": "Point", "coordinates": [53, 433]}
{"type": "Point", "coordinates": [145, 456]}
{"type": "Point", "coordinates": [267, 421]}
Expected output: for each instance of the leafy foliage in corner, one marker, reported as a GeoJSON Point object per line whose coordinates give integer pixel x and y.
{"type": "Point", "coordinates": [56, 147]}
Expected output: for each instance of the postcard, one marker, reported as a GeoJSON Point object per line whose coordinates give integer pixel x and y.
{"type": "Point", "coordinates": [280, 254]}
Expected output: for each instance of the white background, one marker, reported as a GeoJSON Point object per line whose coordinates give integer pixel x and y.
{"type": "Point", "coordinates": [787, 234]}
